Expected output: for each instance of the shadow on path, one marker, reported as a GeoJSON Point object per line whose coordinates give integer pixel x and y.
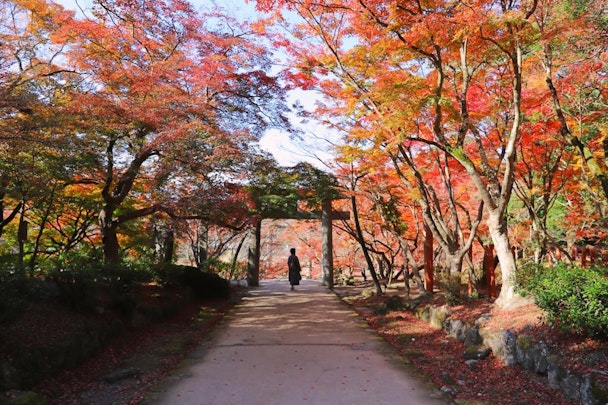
{"type": "Point", "coordinates": [286, 347]}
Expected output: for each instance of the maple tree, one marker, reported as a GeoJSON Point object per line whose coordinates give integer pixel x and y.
{"type": "Point", "coordinates": [148, 108]}
{"type": "Point", "coordinates": [445, 213]}
{"type": "Point", "coordinates": [389, 218]}
{"type": "Point", "coordinates": [154, 108]}
{"type": "Point", "coordinates": [34, 149]}
{"type": "Point", "coordinates": [573, 42]}
{"type": "Point", "coordinates": [545, 167]}
{"type": "Point", "coordinates": [400, 215]}
{"type": "Point", "coordinates": [160, 89]}
{"type": "Point", "coordinates": [450, 101]}
{"type": "Point", "coordinates": [358, 206]}
{"type": "Point", "coordinates": [439, 65]}
{"type": "Point", "coordinates": [572, 56]}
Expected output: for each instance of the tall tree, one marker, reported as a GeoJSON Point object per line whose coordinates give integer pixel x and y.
{"type": "Point", "coordinates": [545, 172]}
{"type": "Point", "coordinates": [573, 39]}
{"type": "Point", "coordinates": [37, 162]}
{"type": "Point", "coordinates": [377, 52]}
{"type": "Point", "coordinates": [162, 84]}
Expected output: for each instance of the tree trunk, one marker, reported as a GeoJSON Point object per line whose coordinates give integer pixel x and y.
{"type": "Point", "coordinates": [201, 247]}
{"type": "Point", "coordinates": [413, 263]}
{"type": "Point", "coordinates": [253, 262]}
{"type": "Point", "coordinates": [169, 247]}
{"type": "Point", "coordinates": [111, 248]}
{"type": "Point", "coordinates": [21, 239]}
{"type": "Point", "coordinates": [429, 268]}
{"type": "Point", "coordinates": [235, 258]}
{"type": "Point", "coordinates": [454, 263]}
{"type": "Point", "coordinates": [13, 213]}
{"type": "Point", "coordinates": [497, 225]}
{"type": "Point", "coordinates": [361, 240]}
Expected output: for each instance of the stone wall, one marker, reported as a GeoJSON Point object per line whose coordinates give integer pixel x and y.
{"type": "Point", "coordinates": [515, 350]}
{"type": "Point", "coordinates": [88, 338]}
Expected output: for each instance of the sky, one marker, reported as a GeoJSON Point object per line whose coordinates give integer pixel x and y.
{"type": "Point", "coordinates": [311, 148]}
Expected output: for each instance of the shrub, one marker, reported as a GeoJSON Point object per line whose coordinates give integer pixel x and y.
{"type": "Point", "coordinates": [78, 285]}
{"type": "Point", "coordinates": [525, 276]}
{"type": "Point", "coordinates": [12, 297]}
{"type": "Point", "coordinates": [16, 289]}
{"type": "Point", "coordinates": [393, 303]}
{"type": "Point", "coordinates": [84, 281]}
{"type": "Point", "coordinates": [219, 267]}
{"type": "Point", "coordinates": [204, 283]}
{"type": "Point", "coordinates": [452, 287]}
{"type": "Point", "coordinates": [576, 299]}
{"type": "Point", "coordinates": [239, 271]}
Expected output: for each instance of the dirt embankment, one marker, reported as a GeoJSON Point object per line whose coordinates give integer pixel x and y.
{"type": "Point", "coordinates": [56, 355]}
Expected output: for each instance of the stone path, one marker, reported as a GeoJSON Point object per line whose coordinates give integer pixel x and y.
{"type": "Point", "coordinates": [291, 347]}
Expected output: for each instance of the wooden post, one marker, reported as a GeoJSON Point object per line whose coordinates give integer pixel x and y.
{"type": "Point", "coordinates": [21, 238]}
{"type": "Point", "coordinates": [584, 257]}
{"type": "Point", "coordinates": [488, 263]}
{"type": "Point", "coordinates": [470, 289]}
{"type": "Point", "coordinates": [428, 259]}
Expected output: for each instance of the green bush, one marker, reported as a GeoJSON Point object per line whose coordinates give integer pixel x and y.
{"type": "Point", "coordinates": [12, 298]}
{"type": "Point", "coordinates": [525, 276]}
{"type": "Point", "coordinates": [393, 303]}
{"type": "Point", "coordinates": [576, 299]}
{"type": "Point", "coordinates": [219, 267]}
{"type": "Point", "coordinates": [238, 272]}
{"type": "Point", "coordinates": [204, 283]}
{"type": "Point", "coordinates": [85, 280]}
{"type": "Point", "coordinates": [16, 289]}
{"type": "Point", "coordinates": [452, 287]}
{"type": "Point", "coordinates": [78, 287]}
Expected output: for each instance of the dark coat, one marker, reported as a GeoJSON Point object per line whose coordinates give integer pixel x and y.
{"type": "Point", "coordinates": [294, 270]}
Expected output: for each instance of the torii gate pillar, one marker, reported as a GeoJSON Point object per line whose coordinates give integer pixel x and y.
{"type": "Point", "coordinates": [253, 256]}
{"type": "Point", "coordinates": [327, 258]}
{"type": "Point", "coordinates": [327, 255]}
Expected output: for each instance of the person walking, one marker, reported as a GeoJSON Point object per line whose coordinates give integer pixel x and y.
{"type": "Point", "coordinates": [293, 263]}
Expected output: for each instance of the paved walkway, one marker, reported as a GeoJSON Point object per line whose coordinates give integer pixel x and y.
{"type": "Point", "coordinates": [294, 347]}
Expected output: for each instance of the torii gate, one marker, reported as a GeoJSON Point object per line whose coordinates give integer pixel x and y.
{"type": "Point", "coordinates": [327, 263]}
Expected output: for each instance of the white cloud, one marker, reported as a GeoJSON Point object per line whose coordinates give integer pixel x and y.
{"type": "Point", "coordinates": [280, 146]}
{"type": "Point", "coordinates": [289, 152]}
